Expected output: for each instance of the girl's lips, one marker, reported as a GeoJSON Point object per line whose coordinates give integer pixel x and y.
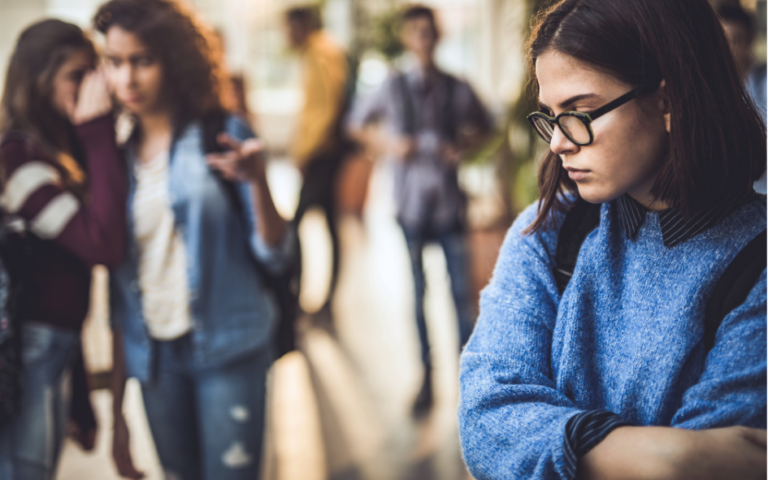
{"type": "Point", "coordinates": [576, 174]}
{"type": "Point", "coordinates": [131, 99]}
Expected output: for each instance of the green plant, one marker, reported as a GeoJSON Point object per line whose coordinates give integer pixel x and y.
{"type": "Point", "coordinates": [385, 37]}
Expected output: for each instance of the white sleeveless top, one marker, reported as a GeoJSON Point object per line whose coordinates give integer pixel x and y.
{"type": "Point", "coordinates": [162, 255]}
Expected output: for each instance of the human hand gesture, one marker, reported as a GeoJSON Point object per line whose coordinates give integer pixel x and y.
{"type": "Point", "coordinates": [93, 99]}
{"type": "Point", "coordinates": [243, 162]}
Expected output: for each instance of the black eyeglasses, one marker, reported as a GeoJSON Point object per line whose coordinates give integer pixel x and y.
{"type": "Point", "coordinates": [577, 126]}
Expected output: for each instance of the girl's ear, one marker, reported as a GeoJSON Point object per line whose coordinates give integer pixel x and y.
{"type": "Point", "coordinates": [665, 105]}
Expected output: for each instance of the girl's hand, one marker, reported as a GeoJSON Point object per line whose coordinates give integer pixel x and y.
{"type": "Point", "coordinates": [243, 162]}
{"type": "Point", "coordinates": [86, 439]}
{"type": "Point", "coordinates": [664, 453]}
{"type": "Point", "coordinates": [93, 99]}
{"type": "Point", "coordinates": [724, 453]}
{"type": "Point", "coordinates": [121, 450]}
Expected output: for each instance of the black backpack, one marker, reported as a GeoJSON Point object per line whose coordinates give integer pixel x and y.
{"type": "Point", "coordinates": [730, 291]}
{"type": "Point", "coordinates": [284, 286]}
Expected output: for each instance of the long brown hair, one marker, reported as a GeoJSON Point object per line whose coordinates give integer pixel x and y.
{"type": "Point", "coordinates": [717, 142]}
{"type": "Point", "coordinates": [26, 102]}
{"type": "Point", "coordinates": [186, 47]}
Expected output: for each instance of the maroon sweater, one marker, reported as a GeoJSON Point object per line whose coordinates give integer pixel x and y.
{"type": "Point", "coordinates": [63, 236]}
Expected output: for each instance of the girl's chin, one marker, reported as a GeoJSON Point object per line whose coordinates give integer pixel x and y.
{"type": "Point", "coordinates": [593, 195]}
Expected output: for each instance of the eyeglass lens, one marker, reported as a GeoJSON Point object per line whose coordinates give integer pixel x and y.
{"type": "Point", "coordinates": [572, 127]}
{"type": "Point", "coordinates": [544, 128]}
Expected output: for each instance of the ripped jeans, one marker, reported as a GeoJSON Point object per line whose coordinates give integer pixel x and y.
{"type": "Point", "coordinates": [208, 424]}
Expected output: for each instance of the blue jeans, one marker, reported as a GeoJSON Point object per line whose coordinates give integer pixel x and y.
{"type": "Point", "coordinates": [30, 444]}
{"type": "Point", "coordinates": [453, 243]}
{"type": "Point", "coordinates": [207, 423]}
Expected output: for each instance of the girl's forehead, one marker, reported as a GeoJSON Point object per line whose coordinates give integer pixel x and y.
{"type": "Point", "coordinates": [562, 76]}
{"type": "Point", "coordinates": [119, 39]}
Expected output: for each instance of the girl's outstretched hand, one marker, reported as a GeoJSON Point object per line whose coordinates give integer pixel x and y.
{"type": "Point", "coordinates": [242, 162]}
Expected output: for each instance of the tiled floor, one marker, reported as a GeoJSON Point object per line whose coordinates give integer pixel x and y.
{"type": "Point", "coordinates": [340, 408]}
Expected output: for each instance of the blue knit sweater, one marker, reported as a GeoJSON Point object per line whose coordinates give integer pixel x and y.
{"type": "Point", "coordinates": [626, 337]}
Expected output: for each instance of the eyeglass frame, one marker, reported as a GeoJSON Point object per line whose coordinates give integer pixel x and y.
{"type": "Point", "coordinates": [588, 118]}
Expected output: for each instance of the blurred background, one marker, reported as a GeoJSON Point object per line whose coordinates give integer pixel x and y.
{"type": "Point", "coordinates": [340, 407]}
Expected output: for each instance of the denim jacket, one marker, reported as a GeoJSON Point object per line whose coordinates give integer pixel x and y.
{"type": "Point", "coordinates": [232, 312]}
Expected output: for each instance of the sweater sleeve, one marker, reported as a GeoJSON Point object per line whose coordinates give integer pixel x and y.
{"type": "Point", "coordinates": [95, 231]}
{"type": "Point", "coordinates": [732, 389]}
{"type": "Point", "coordinates": [512, 417]}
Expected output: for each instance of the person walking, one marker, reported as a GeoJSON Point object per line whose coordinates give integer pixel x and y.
{"type": "Point", "coordinates": [320, 147]}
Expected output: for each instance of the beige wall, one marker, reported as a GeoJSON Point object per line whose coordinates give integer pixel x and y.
{"type": "Point", "coordinates": [14, 16]}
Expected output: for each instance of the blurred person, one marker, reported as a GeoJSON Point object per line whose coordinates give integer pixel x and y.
{"type": "Point", "coordinates": [192, 315]}
{"type": "Point", "coordinates": [63, 207]}
{"type": "Point", "coordinates": [434, 119]}
{"type": "Point", "coordinates": [319, 147]}
{"type": "Point", "coordinates": [740, 30]}
{"type": "Point", "coordinates": [599, 357]}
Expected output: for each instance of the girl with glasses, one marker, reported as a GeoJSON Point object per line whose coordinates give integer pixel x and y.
{"type": "Point", "coordinates": [605, 370]}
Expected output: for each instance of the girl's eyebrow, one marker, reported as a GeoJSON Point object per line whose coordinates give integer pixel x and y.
{"type": "Point", "coordinates": [562, 105]}
{"type": "Point", "coordinates": [575, 99]}
{"type": "Point", "coordinates": [132, 56]}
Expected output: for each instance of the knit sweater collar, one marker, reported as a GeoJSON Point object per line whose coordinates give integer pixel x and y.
{"type": "Point", "coordinates": [675, 226]}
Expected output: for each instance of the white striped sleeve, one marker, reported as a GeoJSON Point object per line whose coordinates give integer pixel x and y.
{"type": "Point", "coordinates": [25, 181]}
{"type": "Point", "coordinates": [52, 219]}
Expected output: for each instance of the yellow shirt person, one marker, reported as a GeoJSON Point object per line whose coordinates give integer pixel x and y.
{"type": "Point", "coordinates": [325, 76]}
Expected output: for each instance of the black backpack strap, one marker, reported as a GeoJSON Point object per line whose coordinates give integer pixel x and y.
{"type": "Point", "coordinates": [449, 113]}
{"type": "Point", "coordinates": [581, 219]}
{"type": "Point", "coordinates": [213, 125]}
{"type": "Point", "coordinates": [734, 286]}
